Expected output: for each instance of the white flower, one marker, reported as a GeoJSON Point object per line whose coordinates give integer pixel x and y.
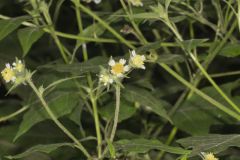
{"type": "Point", "coordinates": [208, 156]}
{"type": "Point", "coordinates": [97, 1]}
{"type": "Point", "coordinates": [106, 79]}
{"type": "Point", "coordinates": [137, 3]}
{"type": "Point", "coordinates": [118, 68]}
{"type": "Point", "coordinates": [8, 73]}
{"type": "Point", "coordinates": [18, 66]}
{"type": "Point", "coordinates": [137, 61]}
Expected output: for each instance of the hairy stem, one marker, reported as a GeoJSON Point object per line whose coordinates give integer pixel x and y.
{"type": "Point", "coordinates": [97, 124]}
{"type": "Point", "coordinates": [200, 93]}
{"type": "Point", "coordinates": [56, 121]}
{"type": "Point", "coordinates": [117, 109]}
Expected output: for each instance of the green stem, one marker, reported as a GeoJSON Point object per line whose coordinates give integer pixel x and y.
{"type": "Point", "coordinates": [108, 27]}
{"type": "Point", "coordinates": [168, 142]}
{"type": "Point", "coordinates": [56, 121]}
{"type": "Point", "coordinates": [232, 73]}
{"type": "Point", "coordinates": [59, 45]}
{"type": "Point", "coordinates": [200, 93]}
{"type": "Point", "coordinates": [21, 110]}
{"type": "Point", "coordinates": [218, 89]}
{"type": "Point", "coordinates": [140, 36]}
{"type": "Point", "coordinates": [215, 85]}
{"type": "Point", "coordinates": [80, 28]}
{"type": "Point", "coordinates": [84, 45]}
{"type": "Point", "coordinates": [117, 109]}
{"type": "Point", "coordinates": [97, 126]}
{"type": "Point", "coordinates": [212, 55]}
{"type": "Point", "coordinates": [53, 34]}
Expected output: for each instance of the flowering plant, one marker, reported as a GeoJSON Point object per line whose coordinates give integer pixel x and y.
{"type": "Point", "coordinates": [126, 79]}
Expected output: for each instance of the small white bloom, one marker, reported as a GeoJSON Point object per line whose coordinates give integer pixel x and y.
{"type": "Point", "coordinates": [111, 62]}
{"type": "Point", "coordinates": [18, 66]}
{"type": "Point", "coordinates": [97, 1]}
{"type": "Point", "coordinates": [137, 61]}
{"type": "Point", "coordinates": [8, 73]}
{"type": "Point", "coordinates": [118, 68]}
{"type": "Point", "coordinates": [105, 79]}
{"type": "Point", "coordinates": [122, 61]}
{"type": "Point", "coordinates": [137, 3]}
{"type": "Point", "coordinates": [208, 156]}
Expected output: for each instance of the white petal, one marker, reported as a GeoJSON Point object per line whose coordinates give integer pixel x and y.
{"type": "Point", "coordinates": [120, 75]}
{"type": "Point", "coordinates": [133, 52]}
{"type": "Point", "coordinates": [13, 79]}
{"type": "Point", "coordinates": [97, 1]}
{"type": "Point", "coordinates": [19, 61]}
{"type": "Point", "coordinates": [8, 65]}
{"type": "Point", "coordinates": [111, 62]}
{"type": "Point", "coordinates": [14, 64]}
{"type": "Point", "coordinates": [143, 67]}
{"type": "Point", "coordinates": [122, 61]}
{"type": "Point", "coordinates": [111, 81]}
{"type": "Point", "coordinates": [126, 68]}
{"type": "Point", "coordinates": [143, 57]}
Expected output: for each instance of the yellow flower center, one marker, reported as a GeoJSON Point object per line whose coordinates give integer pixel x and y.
{"type": "Point", "coordinates": [7, 74]}
{"type": "Point", "coordinates": [137, 61]}
{"type": "Point", "coordinates": [118, 68]}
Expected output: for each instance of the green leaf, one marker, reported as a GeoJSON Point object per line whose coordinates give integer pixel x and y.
{"type": "Point", "coordinates": [210, 143]}
{"type": "Point", "coordinates": [92, 65]}
{"type": "Point", "coordinates": [61, 104]}
{"type": "Point", "coordinates": [230, 50]}
{"type": "Point", "coordinates": [48, 148]}
{"type": "Point", "coordinates": [145, 145]}
{"type": "Point", "coordinates": [127, 110]}
{"type": "Point", "coordinates": [27, 37]}
{"type": "Point", "coordinates": [145, 98]}
{"type": "Point", "coordinates": [8, 26]}
{"type": "Point", "coordinates": [196, 115]}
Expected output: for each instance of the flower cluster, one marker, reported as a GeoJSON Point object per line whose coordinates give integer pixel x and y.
{"type": "Point", "coordinates": [119, 69]}
{"type": "Point", "coordinates": [13, 73]}
{"type": "Point", "coordinates": [209, 156]}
